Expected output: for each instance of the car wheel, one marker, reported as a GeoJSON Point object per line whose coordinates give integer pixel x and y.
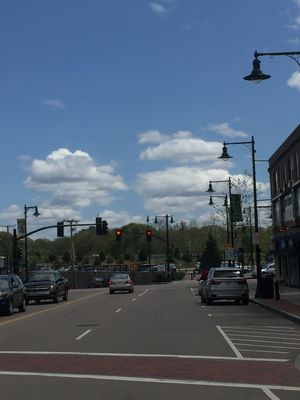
{"type": "Point", "coordinates": [55, 297]}
{"type": "Point", "coordinates": [66, 296]}
{"type": "Point", "coordinates": [22, 308]}
{"type": "Point", "coordinates": [37, 301]}
{"type": "Point", "coordinates": [237, 301]}
{"type": "Point", "coordinates": [10, 309]}
{"type": "Point", "coordinates": [245, 301]}
{"type": "Point", "coordinates": [208, 301]}
{"type": "Point", "coordinates": [111, 292]}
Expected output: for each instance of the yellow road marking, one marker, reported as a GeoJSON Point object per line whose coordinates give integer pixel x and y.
{"type": "Point", "coordinates": [26, 316]}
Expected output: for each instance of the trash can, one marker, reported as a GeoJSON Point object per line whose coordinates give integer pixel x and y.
{"type": "Point", "coordinates": [265, 287]}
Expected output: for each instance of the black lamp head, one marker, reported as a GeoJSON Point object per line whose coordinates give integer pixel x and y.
{"type": "Point", "coordinates": [225, 156]}
{"type": "Point", "coordinates": [256, 74]}
{"type": "Point", "coordinates": [211, 203]}
{"type": "Point", "coordinates": [210, 189]}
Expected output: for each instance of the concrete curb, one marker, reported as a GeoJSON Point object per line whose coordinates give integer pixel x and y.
{"type": "Point", "coordinates": [283, 313]}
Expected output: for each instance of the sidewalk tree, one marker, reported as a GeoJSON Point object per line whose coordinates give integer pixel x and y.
{"type": "Point", "coordinates": [211, 256]}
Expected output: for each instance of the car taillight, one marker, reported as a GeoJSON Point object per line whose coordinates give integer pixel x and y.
{"type": "Point", "coordinates": [110, 283]}
{"type": "Point", "coordinates": [129, 281]}
{"type": "Point", "coordinates": [214, 282]}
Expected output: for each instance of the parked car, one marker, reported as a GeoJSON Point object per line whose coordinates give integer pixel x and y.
{"type": "Point", "coordinates": [100, 281]}
{"type": "Point", "coordinates": [224, 284]}
{"type": "Point", "coordinates": [120, 282]}
{"type": "Point", "coordinates": [266, 269]}
{"type": "Point", "coordinates": [43, 285]}
{"type": "Point", "coordinates": [12, 294]}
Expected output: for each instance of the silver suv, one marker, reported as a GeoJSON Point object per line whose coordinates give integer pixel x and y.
{"type": "Point", "coordinates": [224, 284]}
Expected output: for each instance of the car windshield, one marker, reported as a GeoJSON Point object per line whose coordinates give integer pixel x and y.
{"type": "Point", "coordinates": [3, 282]}
{"type": "Point", "coordinates": [42, 277]}
{"type": "Point", "coordinates": [227, 274]}
{"type": "Point", "coordinates": [120, 276]}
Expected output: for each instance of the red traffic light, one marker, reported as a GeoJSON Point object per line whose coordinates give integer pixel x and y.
{"type": "Point", "coordinates": [118, 233]}
{"type": "Point", "coordinates": [149, 235]}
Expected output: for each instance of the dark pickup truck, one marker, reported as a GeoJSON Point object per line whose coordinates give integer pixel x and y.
{"type": "Point", "coordinates": [44, 285]}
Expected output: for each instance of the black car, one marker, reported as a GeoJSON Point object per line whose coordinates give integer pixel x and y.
{"type": "Point", "coordinates": [12, 294]}
{"type": "Point", "coordinates": [44, 285]}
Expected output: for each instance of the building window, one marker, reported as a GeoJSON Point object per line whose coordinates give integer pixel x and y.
{"type": "Point", "coordinates": [287, 209]}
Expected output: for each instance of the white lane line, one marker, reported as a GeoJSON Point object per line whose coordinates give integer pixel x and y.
{"type": "Point", "coordinates": [265, 345]}
{"type": "Point", "coordinates": [253, 333]}
{"type": "Point", "coordinates": [232, 346]}
{"type": "Point", "coordinates": [261, 328]}
{"type": "Point", "coordinates": [144, 292]}
{"type": "Point", "coordinates": [264, 341]}
{"type": "Point", "coordinates": [260, 336]}
{"type": "Point", "coordinates": [83, 334]}
{"type": "Point", "coordinates": [118, 310]}
{"type": "Point", "coordinates": [265, 388]}
{"type": "Point", "coordinates": [270, 394]}
{"type": "Point", "coordinates": [265, 351]}
{"type": "Point", "coordinates": [134, 299]}
{"type": "Point", "coordinates": [234, 315]}
{"type": "Point", "coordinates": [180, 356]}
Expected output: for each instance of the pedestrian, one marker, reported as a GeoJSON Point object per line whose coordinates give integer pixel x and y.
{"type": "Point", "coordinates": [204, 274]}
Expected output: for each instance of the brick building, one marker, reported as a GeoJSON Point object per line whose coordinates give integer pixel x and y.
{"type": "Point", "coordinates": [284, 171]}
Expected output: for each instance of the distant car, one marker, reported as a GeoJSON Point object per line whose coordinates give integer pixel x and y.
{"type": "Point", "coordinates": [12, 294]}
{"type": "Point", "coordinates": [44, 285]}
{"type": "Point", "coordinates": [266, 270]}
{"type": "Point", "coordinates": [100, 281]}
{"type": "Point", "coordinates": [120, 282]}
{"type": "Point", "coordinates": [224, 284]}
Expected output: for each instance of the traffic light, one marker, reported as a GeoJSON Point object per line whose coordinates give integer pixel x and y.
{"type": "Point", "coordinates": [149, 235]}
{"type": "Point", "coordinates": [98, 226]}
{"type": "Point", "coordinates": [104, 227]}
{"type": "Point", "coordinates": [60, 229]}
{"type": "Point", "coordinates": [118, 233]}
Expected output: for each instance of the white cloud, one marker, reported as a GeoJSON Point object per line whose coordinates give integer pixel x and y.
{"type": "Point", "coordinates": [12, 212]}
{"type": "Point", "coordinates": [225, 130]}
{"type": "Point", "coordinates": [182, 147]}
{"type": "Point", "coordinates": [54, 103]}
{"type": "Point", "coordinates": [152, 136]}
{"type": "Point", "coordinates": [294, 80]}
{"type": "Point", "coordinates": [180, 189]}
{"type": "Point", "coordinates": [158, 9]}
{"type": "Point", "coordinates": [74, 179]}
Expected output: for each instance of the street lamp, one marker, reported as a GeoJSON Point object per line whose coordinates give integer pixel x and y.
{"type": "Point", "coordinates": [257, 74]}
{"type": "Point", "coordinates": [166, 218]}
{"type": "Point", "coordinates": [211, 203]}
{"type": "Point", "coordinates": [36, 214]}
{"type": "Point", "coordinates": [211, 190]}
{"type": "Point", "coordinates": [225, 157]}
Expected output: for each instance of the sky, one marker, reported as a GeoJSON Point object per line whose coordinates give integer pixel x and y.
{"type": "Point", "coordinates": [119, 108]}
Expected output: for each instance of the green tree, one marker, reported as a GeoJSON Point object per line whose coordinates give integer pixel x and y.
{"type": "Point", "coordinates": [211, 256]}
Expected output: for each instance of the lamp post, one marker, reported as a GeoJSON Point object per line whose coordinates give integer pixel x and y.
{"type": "Point", "coordinates": [166, 218]}
{"type": "Point", "coordinates": [257, 74]}
{"type": "Point", "coordinates": [36, 214]}
{"type": "Point", "coordinates": [211, 203]}
{"type": "Point", "coordinates": [211, 190]}
{"type": "Point", "coordinates": [226, 156]}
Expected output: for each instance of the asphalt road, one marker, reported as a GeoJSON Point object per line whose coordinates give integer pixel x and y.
{"type": "Point", "coordinates": [159, 341]}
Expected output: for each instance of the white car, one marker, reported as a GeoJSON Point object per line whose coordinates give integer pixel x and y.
{"type": "Point", "coordinates": [268, 270]}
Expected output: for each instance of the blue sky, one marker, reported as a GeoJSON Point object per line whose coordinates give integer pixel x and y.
{"type": "Point", "coordinates": [119, 108]}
